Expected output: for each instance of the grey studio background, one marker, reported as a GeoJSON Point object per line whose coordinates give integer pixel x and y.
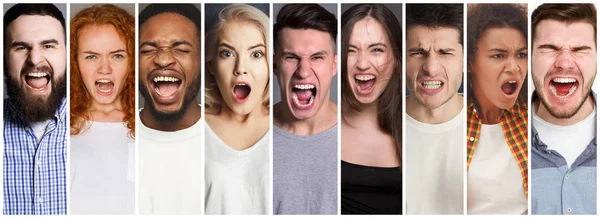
{"type": "Point", "coordinates": [140, 97]}
{"type": "Point", "coordinates": [334, 85]}
{"type": "Point", "coordinates": [62, 7]}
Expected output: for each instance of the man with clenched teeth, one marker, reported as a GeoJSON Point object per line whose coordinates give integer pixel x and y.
{"type": "Point", "coordinates": [35, 123]}
{"type": "Point", "coordinates": [305, 132]}
{"type": "Point", "coordinates": [563, 148]}
{"type": "Point", "coordinates": [435, 122]}
{"type": "Point", "coordinates": [169, 80]}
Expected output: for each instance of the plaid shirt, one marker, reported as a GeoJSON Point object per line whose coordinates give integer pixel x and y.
{"type": "Point", "coordinates": [514, 126]}
{"type": "Point", "coordinates": [34, 173]}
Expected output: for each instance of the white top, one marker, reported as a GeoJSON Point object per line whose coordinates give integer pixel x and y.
{"type": "Point", "coordinates": [170, 171]}
{"type": "Point", "coordinates": [102, 170]}
{"type": "Point", "coordinates": [237, 182]}
{"type": "Point", "coordinates": [494, 181]}
{"type": "Point", "coordinates": [435, 166]}
{"type": "Point", "coordinates": [568, 141]}
{"type": "Point", "coordinates": [39, 128]}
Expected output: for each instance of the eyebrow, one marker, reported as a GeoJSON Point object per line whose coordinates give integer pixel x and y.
{"type": "Point", "coordinates": [257, 46]}
{"type": "Point", "coordinates": [416, 50]}
{"type": "Point", "coordinates": [49, 41]}
{"type": "Point", "coordinates": [175, 44]}
{"type": "Point", "coordinates": [111, 52]}
{"type": "Point", "coordinates": [17, 44]}
{"type": "Point", "coordinates": [504, 50]}
{"type": "Point", "coordinates": [556, 48]}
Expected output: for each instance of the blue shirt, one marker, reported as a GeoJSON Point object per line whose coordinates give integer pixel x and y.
{"type": "Point", "coordinates": [34, 173]}
{"type": "Point", "coordinates": [558, 189]}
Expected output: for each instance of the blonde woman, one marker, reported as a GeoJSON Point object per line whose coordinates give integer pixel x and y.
{"type": "Point", "coordinates": [237, 113]}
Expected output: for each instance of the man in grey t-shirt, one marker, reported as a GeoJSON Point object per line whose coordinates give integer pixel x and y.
{"type": "Point", "coordinates": [305, 133]}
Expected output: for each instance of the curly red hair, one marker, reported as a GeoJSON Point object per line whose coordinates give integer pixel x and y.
{"type": "Point", "coordinates": [124, 23]}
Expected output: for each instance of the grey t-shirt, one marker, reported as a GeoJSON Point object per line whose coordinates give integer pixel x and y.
{"type": "Point", "coordinates": [305, 170]}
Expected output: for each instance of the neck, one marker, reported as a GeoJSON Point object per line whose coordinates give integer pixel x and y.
{"type": "Point", "coordinates": [584, 111]}
{"type": "Point", "coordinates": [366, 117]}
{"type": "Point", "coordinates": [106, 108]}
{"type": "Point", "coordinates": [190, 117]}
{"type": "Point", "coordinates": [488, 112]}
{"type": "Point", "coordinates": [324, 119]}
{"type": "Point", "coordinates": [243, 119]}
{"type": "Point", "coordinates": [441, 114]}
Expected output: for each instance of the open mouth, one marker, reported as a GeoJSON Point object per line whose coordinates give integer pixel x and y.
{"type": "Point", "coordinates": [432, 85]}
{"type": "Point", "coordinates": [166, 86]}
{"type": "Point", "coordinates": [37, 80]}
{"type": "Point", "coordinates": [304, 95]}
{"type": "Point", "coordinates": [241, 91]}
{"type": "Point", "coordinates": [509, 87]}
{"type": "Point", "coordinates": [563, 87]}
{"type": "Point", "coordinates": [104, 86]}
{"type": "Point", "coordinates": [365, 83]}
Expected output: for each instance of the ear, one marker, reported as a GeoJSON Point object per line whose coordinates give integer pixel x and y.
{"type": "Point", "coordinates": [335, 65]}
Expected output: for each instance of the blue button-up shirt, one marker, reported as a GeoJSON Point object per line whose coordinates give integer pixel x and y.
{"type": "Point", "coordinates": [558, 189]}
{"type": "Point", "coordinates": [34, 173]}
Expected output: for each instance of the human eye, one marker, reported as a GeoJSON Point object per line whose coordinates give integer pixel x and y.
{"type": "Point", "coordinates": [257, 54]}
{"type": "Point", "coordinates": [91, 57]}
{"type": "Point", "coordinates": [226, 54]}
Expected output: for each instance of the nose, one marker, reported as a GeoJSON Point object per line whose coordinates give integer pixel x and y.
{"type": "Point", "coordinates": [512, 66]}
{"type": "Point", "coordinates": [164, 58]}
{"type": "Point", "coordinates": [431, 66]}
{"type": "Point", "coordinates": [304, 68]}
{"type": "Point", "coordinates": [362, 64]}
{"type": "Point", "coordinates": [36, 56]}
{"type": "Point", "coordinates": [564, 60]}
{"type": "Point", "coordinates": [240, 66]}
{"type": "Point", "coordinates": [105, 66]}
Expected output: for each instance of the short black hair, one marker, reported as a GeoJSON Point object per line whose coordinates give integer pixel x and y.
{"type": "Point", "coordinates": [435, 16]}
{"type": "Point", "coordinates": [305, 16]}
{"type": "Point", "coordinates": [33, 9]}
{"type": "Point", "coordinates": [189, 11]}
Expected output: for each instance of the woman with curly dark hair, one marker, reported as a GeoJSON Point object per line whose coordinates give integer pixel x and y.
{"type": "Point", "coordinates": [497, 109]}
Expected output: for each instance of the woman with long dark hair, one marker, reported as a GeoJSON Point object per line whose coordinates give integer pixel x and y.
{"type": "Point", "coordinates": [371, 111]}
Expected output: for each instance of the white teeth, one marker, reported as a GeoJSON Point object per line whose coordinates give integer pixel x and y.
{"type": "Point", "coordinates": [306, 86]}
{"type": "Point", "coordinates": [364, 77]}
{"type": "Point", "coordinates": [432, 84]}
{"type": "Point", "coordinates": [512, 81]}
{"type": "Point", "coordinates": [563, 80]}
{"type": "Point", "coordinates": [37, 74]}
{"type": "Point", "coordinates": [295, 98]}
{"type": "Point", "coordinates": [103, 81]}
{"type": "Point", "coordinates": [165, 79]}
{"type": "Point", "coordinates": [571, 91]}
{"type": "Point", "coordinates": [241, 84]}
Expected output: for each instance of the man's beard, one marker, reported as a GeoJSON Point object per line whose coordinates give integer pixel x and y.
{"type": "Point", "coordinates": [33, 108]}
{"type": "Point", "coordinates": [172, 116]}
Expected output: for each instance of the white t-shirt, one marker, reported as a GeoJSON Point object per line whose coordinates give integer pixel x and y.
{"type": "Point", "coordinates": [39, 128]}
{"type": "Point", "coordinates": [494, 180]}
{"type": "Point", "coordinates": [170, 171]}
{"type": "Point", "coordinates": [237, 182]}
{"type": "Point", "coordinates": [102, 170]}
{"type": "Point", "coordinates": [568, 141]}
{"type": "Point", "coordinates": [435, 166]}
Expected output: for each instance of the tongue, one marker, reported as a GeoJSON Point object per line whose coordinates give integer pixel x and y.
{"type": "Point", "coordinates": [241, 91]}
{"type": "Point", "coordinates": [167, 88]}
{"type": "Point", "coordinates": [105, 86]}
{"type": "Point", "coordinates": [36, 82]}
{"type": "Point", "coordinates": [562, 89]}
{"type": "Point", "coordinates": [366, 85]}
{"type": "Point", "coordinates": [303, 94]}
{"type": "Point", "coordinates": [508, 88]}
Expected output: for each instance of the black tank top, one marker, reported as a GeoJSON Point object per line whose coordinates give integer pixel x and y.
{"type": "Point", "coordinates": [371, 190]}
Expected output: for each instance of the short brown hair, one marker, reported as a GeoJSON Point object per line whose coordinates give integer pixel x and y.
{"type": "Point", "coordinates": [568, 13]}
